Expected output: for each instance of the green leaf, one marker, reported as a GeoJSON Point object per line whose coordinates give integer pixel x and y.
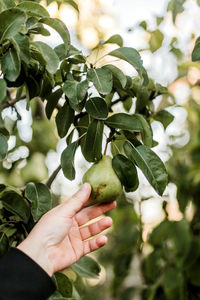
{"type": "Point", "coordinates": [193, 273]}
{"type": "Point", "coordinates": [76, 92]}
{"type": "Point", "coordinates": [93, 142]}
{"type": "Point", "coordinates": [196, 50]}
{"type": "Point", "coordinates": [15, 203]}
{"type": "Point", "coordinates": [124, 121]}
{"type": "Point", "coordinates": [11, 65]}
{"type": "Point", "coordinates": [57, 296]}
{"type": "Point", "coordinates": [3, 146]}
{"type": "Point", "coordinates": [171, 233]}
{"type": "Point", "coordinates": [127, 103]}
{"type": "Point", "coordinates": [52, 101]}
{"type": "Point", "coordinates": [97, 108]}
{"type": "Point", "coordinates": [87, 267]}
{"type": "Point", "coordinates": [73, 4]}
{"type": "Point", "coordinates": [156, 40]}
{"type": "Point", "coordinates": [126, 171]}
{"type": "Point", "coordinates": [60, 27]}
{"type": "Point", "coordinates": [63, 284]}
{"type": "Point", "coordinates": [4, 244]}
{"type": "Point", "coordinates": [102, 79]}
{"type": "Point", "coordinates": [33, 9]}
{"type": "Point", "coordinates": [10, 22]}
{"type": "Point", "coordinates": [143, 24]}
{"type": "Point", "coordinates": [146, 133]}
{"type": "Point", "coordinates": [117, 144]}
{"type": "Point", "coordinates": [115, 39]}
{"type": "Point", "coordinates": [164, 117]}
{"type": "Point", "coordinates": [64, 119]}
{"type": "Point", "coordinates": [2, 90]}
{"type": "Point", "coordinates": [21, 44]}
{"type": "Point", "coordinates": [61, 51]}
{"type": "Point", "coordinates": [117, 73]}
{"type": "Point", "coordinates": [132, 57]}
{"type": "Point", "coordinates": [49, 55]}
{"type": "Point", "coordinates": [176, 7]}
{"type": "Point", "coordinates": [5, 4]}
{"type": "Point", "coordinates": [173, 284]}
{"type": "Point", "coordinates": [39, 196]}
{"type": "Point", "coordinates": [67, 160]}
{"type": "Point", "coordinates": [150, 164]}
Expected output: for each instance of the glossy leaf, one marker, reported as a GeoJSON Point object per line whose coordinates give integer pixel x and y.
{"type": "Point", "coordinates": [11, 65]}
{"type": "Point", "coordinates": [15, 203]}
{"type": "Point", "coordinates": [196, 50]}
{"type": "Point", "coordinates": [64, 119]}
{"type": "Point", "coordinates": [175, 7]}
{"type": "Point", "coordinates": [124, 121]}
{"type": "Point", "coordinates": [73, 4]}
{"type": "Point", "coordinates": [146, 133]}
{"type": "Point", "coordinates": [132, 57]}
{"type": "Point", "coordinates": [87, 267]}
{"type": "Point", "coordinates": [49, 55]}
{"type": "Point", "coordinates": [117, 73]}
{"type": "Point", "coordinates": [2, 90]}
{"type": "Point", "coordinates": [150, 164]}
{"type": "Point", "coordinates": [3, 146]}
{"type": "Point", "coordinates": [164, 117]}
{"type": "Point", "coordinates": [4, 244]}
{"type": "Point", "coordinates": [63, 284]}
{"type": "Point", "coordinates": [97, 108]}
{"type": "Point", "coordinates": [102, 79]}
{"type": "Point", "coordinates": [61, 51]}
{"type": "Point", "coordinates": [39, 196]}
{"type": "Point", "coordinates": [33, 9]}
{"type": "Point", "coordinates": [75, 92]}
{"type": "Point", "coordinates": [156, 40]}
{"type": "Point", "coordinates": [52, 101]}
{"type": "Point", "coordinates": [10, 22]}
{"type": "Point", "coordinates": [21, 44]}
{"type": "Point", "coordinates": [126, 171]}
{"type": "Point", "coordinates": [173, 284]}
{"type": "Point", "coordinates": [60, 27]}
{"type": "Point", "coordinates": [93, 141]}
{"type": "Point", "coordinates": [127, 103]}
{"type": "Point", "coordinates": [67, 161]}
{"type": "Point", "coordinates": [115, 39]}
{"type": "Point", "coordinates": [5, 4]}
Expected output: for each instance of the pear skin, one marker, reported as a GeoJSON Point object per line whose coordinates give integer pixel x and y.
{"type": "Point", "coordinates": [106, 186]}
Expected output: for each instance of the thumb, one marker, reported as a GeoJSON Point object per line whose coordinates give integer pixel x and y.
{"type": "Point", "coordinates": [77, 201]}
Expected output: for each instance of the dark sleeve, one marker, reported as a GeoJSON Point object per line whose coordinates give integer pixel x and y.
{"type": "Point", "coordinates": [23, 279]}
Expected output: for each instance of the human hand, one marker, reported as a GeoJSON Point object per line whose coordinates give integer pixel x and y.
{"type": "Point", "coordinates": [58, 240]}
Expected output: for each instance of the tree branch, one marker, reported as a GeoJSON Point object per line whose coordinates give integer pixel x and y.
{"type": "Point", "coordinates": [53, 176]}
{"type": "Point", "coordinates": [12, 102]}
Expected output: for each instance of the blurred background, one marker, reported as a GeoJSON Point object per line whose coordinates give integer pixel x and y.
{"type": "Point", "coordinates": [164, 32]}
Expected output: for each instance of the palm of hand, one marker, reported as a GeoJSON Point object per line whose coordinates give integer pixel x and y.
{"type": "Point", "coordinates": [69, 237]}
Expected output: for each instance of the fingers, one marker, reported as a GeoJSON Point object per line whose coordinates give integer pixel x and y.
{"type": "Point", "coordinates": [94, 244]}
{"type": "Point", "coordinates": [95, 228]}
{"type": "Point", "coordinates": [78, 200]}
{"type": "Point", "coordinates": [93, 212]}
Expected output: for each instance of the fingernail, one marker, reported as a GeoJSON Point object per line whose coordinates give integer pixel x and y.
{"type": "Point", "coordinates": [84, 187]}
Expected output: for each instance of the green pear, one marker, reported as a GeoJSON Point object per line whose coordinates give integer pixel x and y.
{"type": "Point", "coordinates": [106, 186]}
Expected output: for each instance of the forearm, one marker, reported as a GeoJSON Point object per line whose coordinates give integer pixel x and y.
{"type": "Point", "coordinates": [21, 278]}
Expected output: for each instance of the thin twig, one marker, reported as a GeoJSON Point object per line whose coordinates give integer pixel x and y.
{"type": "Point", "coordinates": [12, 102]}
{"type": "Point", "coordinates": [53, 176]}
{"type": "Point", "coordinates": [109, 139]}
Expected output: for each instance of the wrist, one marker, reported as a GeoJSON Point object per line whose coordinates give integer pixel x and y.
{"type": "Point", "coordinates": [37, 254]}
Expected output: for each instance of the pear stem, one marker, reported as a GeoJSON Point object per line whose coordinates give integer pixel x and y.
{"type": "Point", "coordinates": [53, 176]}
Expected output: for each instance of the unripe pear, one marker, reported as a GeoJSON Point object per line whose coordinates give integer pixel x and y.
{"type": "Point", "coordinates": [106, 186]}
